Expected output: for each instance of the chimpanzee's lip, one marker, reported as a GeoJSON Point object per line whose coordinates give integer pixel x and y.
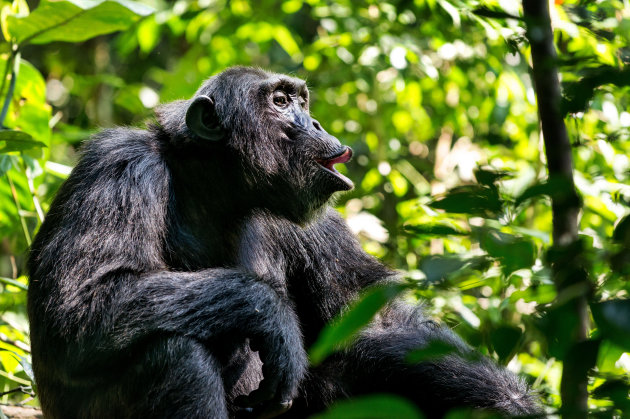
{"type": "Point", "coordinates": [328, 164]}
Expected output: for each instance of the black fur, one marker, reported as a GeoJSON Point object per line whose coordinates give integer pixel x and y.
{"type": "Point", "coordinates": [172, 254]}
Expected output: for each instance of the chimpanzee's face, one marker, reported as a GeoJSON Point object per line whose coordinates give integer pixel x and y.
{"type": "Point", "coordinates": [288, 158]}
{"type": "Point", "coordinates": [313, 150]}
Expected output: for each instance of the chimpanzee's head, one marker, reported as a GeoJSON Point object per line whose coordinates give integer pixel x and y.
{"type": "Point", "coordinates": [287, 157]}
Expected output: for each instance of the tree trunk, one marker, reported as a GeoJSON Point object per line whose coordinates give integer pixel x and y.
{"type": "Point", "coordinates": [565, 202]}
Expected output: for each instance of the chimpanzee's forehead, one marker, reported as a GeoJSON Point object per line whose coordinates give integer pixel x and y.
{"type": "Point", "coordinates": [274, 81]}
{"type": "Point", "coordinates": [245, 81]}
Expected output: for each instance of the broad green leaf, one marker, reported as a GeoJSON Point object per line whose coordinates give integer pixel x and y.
{"type": "Point", "coordinates": [488, 177]}
{"type": "Point", "coordinates": [579, 93]}
{"type": "Point", "coordinates": [494, 13]}
{"type": "Point", "coordinates": [341, 331]}
{"type": "Point", "coordinates": [438, 268]}
{"type": "Point", "coordinates": [28, 111]}
{"type": "Point", "coordinates": [291, 6]}
{"type": "Point", "coordinates": [375, 406]}
{"type": "Point", "coordinates": [284, 38]}
{"type": "Point", "coordinates": [613, 321]}
{"type": "Point", "coordinates": [148, 35]}
{"type": "Point", "coordinates": [434, 229]}
{"type": "Point", "coordinates": [5, 164]}
{"type": "Point", "coordinates": [470, 199]}
{"type": "Point", "coordinates": [608, 355]}
{"type": "Point", "coordinates": [622, 231]}
{"type": "Point", "coordinates": [557, 188]}
{"type": "Point", "coordinates": [17, 141]}
{"type": "Point", "coordinates": [74, 20]}
{"type": "Point", "coordinates": [514, 252]}
{"type": "Point", "coordinates": [617, 390]}
{"type": "Point", "coordinates": [434, 350]}
{"type": "Point", "coordinates": [540, 293]}
{"type": "Point", "coordinates": [505, 340]}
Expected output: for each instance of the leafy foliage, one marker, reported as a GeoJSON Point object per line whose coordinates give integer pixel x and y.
{"type": "Point", "coordinates": [436, 100]}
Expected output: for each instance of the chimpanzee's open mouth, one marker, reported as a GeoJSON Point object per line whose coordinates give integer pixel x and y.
{"type": "Point", "coordinates": [329, 165]}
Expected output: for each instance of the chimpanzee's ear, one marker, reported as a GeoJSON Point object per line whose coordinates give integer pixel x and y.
{"type": "Point", "coordinates": [201, 119]}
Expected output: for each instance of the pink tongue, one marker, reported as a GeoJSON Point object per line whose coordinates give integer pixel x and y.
{"type": "Point", "coordinates": [341, 159]}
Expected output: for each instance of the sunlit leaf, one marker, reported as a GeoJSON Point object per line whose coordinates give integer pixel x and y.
{"type": "Point", "coordinates": [13, 282]}
{"type": "Point", "coordinates": [17, 141]}
{"type": "Point", "coordinates": [344, 328]}
{"type": "Point", "coordinates": [373, 407]}
{"type": "Point", "coordinates": [74, 20]}
{"type": "Point", "coordinates": [617, 390]}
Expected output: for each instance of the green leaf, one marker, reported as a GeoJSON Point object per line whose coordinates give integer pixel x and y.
{"type": "Point", "coordinates": [74, 20]}
{"type": "Point", "coordinates": [505, 341]}
{"type": "Point", "coordinates": [557, 188]}
{"type": "Point", "coordinates": [514, 252]}
{"type": "Point", "coordinates": [557, 325]}
{"type": "Point", "coordinates": [578, 94]}
{"type": "Point", "coordinates": [375, 406]}
{"type": "Point", "coordinates": [284, 38]}
{"type": "Point", "coordinates": [342, 330]}
{"type": "Point", "coordinates": [434, 229]}
{"type": "Point", "coordinates": [613, 321]}
{"type": "Point", "coordinates": [494, 13]}
{"type": "Point", "coordinates": [487, 176]}
{"type": "Point", "coordinates": [14, 283]}
{"type": "Point", "coordinates": [470, 199]}
{"type": "Point", "coordinates": [608, 355]}
{"type": "Point", "coordinates": [617, 390]}
{"type": "Point", "coordinates": [439, 268]}
{"type": "Point", "coordinates": [434, 350]}
{"type": "Point", "coordinates": [17, 141]}
{"type": "Point", "coordinates": [621, 234]}
{"type": "Point", "coordinates": [5, 164]}
{"type": "Point", "coordinates": [29, 111]}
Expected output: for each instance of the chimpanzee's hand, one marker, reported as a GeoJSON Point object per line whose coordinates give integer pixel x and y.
{"type": "Point", "coordinates": [284, 364]}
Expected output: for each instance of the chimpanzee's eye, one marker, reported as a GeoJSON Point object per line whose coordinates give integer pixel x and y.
{"type": "Point", "coordinates": [280, 98]}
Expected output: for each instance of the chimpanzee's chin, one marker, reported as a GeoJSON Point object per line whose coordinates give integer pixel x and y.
{"type": "Point", "coordinates": [345, 184]}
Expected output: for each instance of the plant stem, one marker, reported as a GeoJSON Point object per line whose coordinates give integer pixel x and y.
{"type": "Point", "coordinates": [27, 235]}
{"type": "Point", "coordinates": [9, 95]}
{"type": "Point", "coordinates": [7, 68]}
{"type": "Point", "coordinates": [31, 187]}
{"type": "Point", "coordinates": [565, 202]}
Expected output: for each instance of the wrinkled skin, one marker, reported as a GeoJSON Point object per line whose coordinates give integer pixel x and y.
{"type": "Point", "coordinates": [182, 270]}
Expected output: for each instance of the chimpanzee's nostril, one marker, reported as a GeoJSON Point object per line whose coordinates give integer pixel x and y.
{"type": "Point", "coordinates": [317, 126]}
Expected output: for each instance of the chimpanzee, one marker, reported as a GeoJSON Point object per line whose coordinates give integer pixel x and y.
{"type": "Point", "coordinates": [181, 265]}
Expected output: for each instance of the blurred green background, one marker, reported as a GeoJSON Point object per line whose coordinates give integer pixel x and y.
{"type": "Point", "coordinates": [436, 100]}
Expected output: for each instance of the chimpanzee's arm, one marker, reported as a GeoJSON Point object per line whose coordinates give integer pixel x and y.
{"type": "Point", "coordinates": [100, 288]}
{"type": "Point", "coordinates": [336, 269]}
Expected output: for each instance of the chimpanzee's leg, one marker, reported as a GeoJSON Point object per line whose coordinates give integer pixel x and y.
{"type": "Point", "coordinates": [162, 385]}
